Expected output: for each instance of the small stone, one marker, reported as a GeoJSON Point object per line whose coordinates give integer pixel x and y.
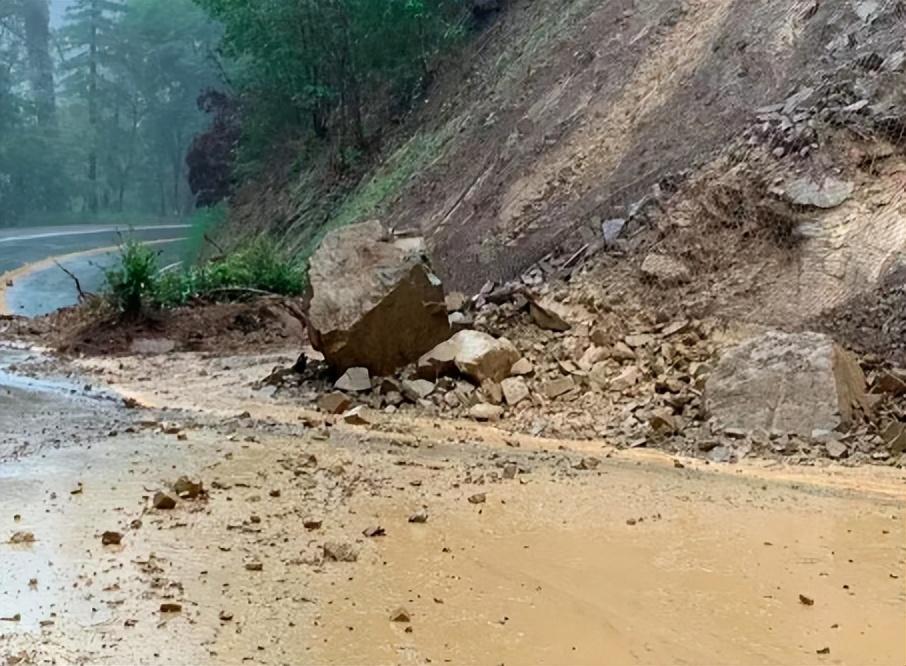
{"type": "Point", "coordinates": [622, 352]}
{"type": "Point", "coordinates": [312, 523]}
{"type": "Point", "coordinates": [357, 416]}
{"type": "Point", "coordinates": [225, 616]}
{"type": "Point", "coordinates": [824, 650]}
{"type": "Point", "coordinates": [626, 379]}
{"type": "Point", "coordinates": [354, 380]}
{"type": "Point", "coordinates": [548, 315]}
{"type": "Point", "coordinates": [170, 607]}
{"type": "Point", "coordinates": [334, 403]}
{"type": "Point", "coordinates": [400, 615]}
{"type": "Point", "coordinates": [163, 502]}
{"type": "Point", "coordinates": [376, 531]}
{"type": "Point", "coordinates": [486, 412]}
{"type": "Point", "coordinates": [254, 565]}
{"type": "Point", "coordinates": [665, 269]}
{"type": "Point", "coordinates": [806, 601]}
{"type": "Point", "coordinates": [479, 498]}
{"type": "Point", "coordinates": [111, 538]}
{"type": "Point", "coordinates": [417, 389]}
{"type": "Point", "coordinates": [455, 301]}
{"type": "Point", "coordinates": [419, 517]}
{"type": "Point", "coordinates": [188, 489]}
{"type": "Point", "coordinates": [638, 341]}
{"type": "Point", "coordinates": [510, 470]}
{"type": "Point", "coordinates": [557, 387]}
{"type": "Point", "coordinates": [339, 552]}
{"type": "Point", "coordinates": [836, 450]}
{"type": "Point", "coordinates": [522, 367]}
{"type": "Point", "coordinates": [588, 464]}
{"type": "Point", "coordinates": [515, 390]}
{"type": "Point", "coordinates": [492, 391]}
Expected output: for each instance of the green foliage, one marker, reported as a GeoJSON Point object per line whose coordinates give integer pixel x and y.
{"type": "Point", "coordinates": [101, 122]}
{"type": "Point", "coordinates": [135, 284]}
{"type": "Point", "coordinates": [132, 284]}
{"type": "Point", "coordinates": [323, 65]}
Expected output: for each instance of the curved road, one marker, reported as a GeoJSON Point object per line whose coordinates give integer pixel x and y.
{"type": "Point", "coordinates": [39, 286]}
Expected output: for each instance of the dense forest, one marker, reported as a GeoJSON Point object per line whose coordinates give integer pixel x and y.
{"type": "Point", "coordinates": [99, 110]}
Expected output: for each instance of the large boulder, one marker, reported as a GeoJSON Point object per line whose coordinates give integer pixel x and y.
{"type": "Point", "coordinates": [790, 383]}
{"type": "Point", "coordinates": [474, 354]}
{"type": "Point", "coordinates": [375, 302]}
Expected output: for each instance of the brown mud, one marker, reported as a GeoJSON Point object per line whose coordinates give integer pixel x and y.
{"type": "Point", "coordinates": [587, 555]}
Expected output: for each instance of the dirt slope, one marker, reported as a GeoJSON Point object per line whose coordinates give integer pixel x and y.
{"type": "Point", "coordinates": [573, 111]}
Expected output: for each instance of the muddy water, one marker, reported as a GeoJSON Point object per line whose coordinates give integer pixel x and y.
{"type": "Point", "coordinates": [547, 571]}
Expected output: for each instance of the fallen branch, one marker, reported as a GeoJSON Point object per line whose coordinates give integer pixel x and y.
{"type": "Point", "coordinates": [83, 296]}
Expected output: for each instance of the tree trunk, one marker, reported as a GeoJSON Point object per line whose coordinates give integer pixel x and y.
{"type": "Point", "coordinates": [93, 106]}
{"type": "Point", "coordinates": [36, 14]}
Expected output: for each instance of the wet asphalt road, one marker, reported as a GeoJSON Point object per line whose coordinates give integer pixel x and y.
{"type": "Point", "coordinates": [46, 290]}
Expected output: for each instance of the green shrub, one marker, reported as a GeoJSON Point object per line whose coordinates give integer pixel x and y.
{"type": "Point", "coordinates": [258, 267]}
{"type": "Point", "coordinates": [132, 284]}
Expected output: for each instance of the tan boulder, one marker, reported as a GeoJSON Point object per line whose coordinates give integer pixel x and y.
{"type": "Point", "coordinates": [476, 355]}
{"type": "Point", "coordinates": [375, 302]}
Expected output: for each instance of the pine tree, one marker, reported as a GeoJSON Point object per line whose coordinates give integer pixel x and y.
{"type": "Point", "coordinates": [92, 47]}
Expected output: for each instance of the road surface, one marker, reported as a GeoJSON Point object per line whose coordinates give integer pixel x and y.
{"type": "Point", "coordinates": [39, 286]}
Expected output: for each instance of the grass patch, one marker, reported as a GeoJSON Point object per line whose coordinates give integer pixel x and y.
{"type": "Point", "coordinates": [371, 198]}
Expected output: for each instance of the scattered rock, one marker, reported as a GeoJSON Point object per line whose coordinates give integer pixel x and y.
{"type": "Point", "coordinates": [548, 315]}
{"type": "Point", "coordinates": [111, 538]}
{"type": "Point", "coordinates": [339, 552]}
{"type": "Point", "coordinates": [400, 615]}
{"type": "Point", "coordinates": [22, 538]}
{"type": "Point", "coordinates": [375, 302]}
{"type": "Point", "coordinates": [628, 378]}
{"type": "Point", "coordinates": [492, 391]}
{"type": "Point", "coordinates": [334, 403]}
{"type": "Point", "coordinates": [163, 501]}
{"type": "Point", "coordinates": [806, 601]}
{"type": "Point", "coordinates": [588, 464]}
{"type": "Point", "coordinates": [521, 368]}
{"type": "Point", "coordinates": [836, 450]}
{"type": "Point", "coordinates": [829, 193]}
{"type": "Point", "coordinates": [417, 389]}
{"type": "Point", "coordinates": [254, 565]}
{"type": "Point", "coordinates": [354, 380]}
{"type": "Point", "coordinates": [169, 608]}
{"type": "Point", "coordinates": [611, 230]}
{"type": "Point", "coordinates": [557, 387]}
{"type": "Point", "coordinates": [419, 517]}
{"type": "Point", "coordinates": [485, 412]}
{"type": "Point", "coordinates": [187, 489]}
{"type": "Point", "coordinates": [892, 382]}
{"type": "Point", "coordinates": [376, 531]}
{"type": "Point", "coordinates": [782, 382]}
{"type": "Point", "coordinates": [665, 269]}
{"type": "Point", "coordinates": [479, 498]}
{"type": "Point", "coordinates": [312, 523]}
{"type": "Point", "coordinates": [515, 390]}
{"type": "Point", "coordinates": [894, 436]}
{"type": "Point", "coordinates": [225, 616]}
{"type": "Point", "coordinates": [357, 416]}
{"type": "Point", "coordinates": [455, 301]}
{"type": "Point", "coordinates": [510, 470]}
{"type": "Point", "coordinates": [476, 355]}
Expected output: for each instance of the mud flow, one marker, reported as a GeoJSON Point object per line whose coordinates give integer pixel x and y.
{"type": "Point", "coordinates": [349, 545]}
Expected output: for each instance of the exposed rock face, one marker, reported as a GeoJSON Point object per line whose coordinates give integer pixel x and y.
{"type": "Point", "coordinates": [375, 303]}
{"type": "Point", "coordinates": [789, 383]}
